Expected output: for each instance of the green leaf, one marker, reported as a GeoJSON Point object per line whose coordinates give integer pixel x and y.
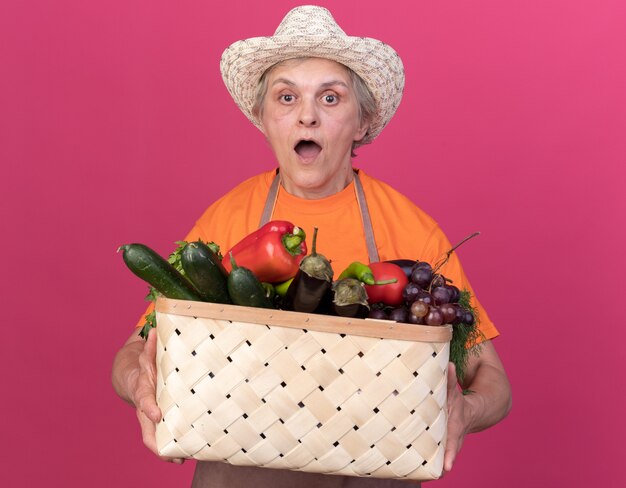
{"type": "Point", "coordinates": [175, 257]}
{"type": "Point", "coordinates": [152, 294]}
{"type": "Point", "coordinates": [215, 248]}
{"type": "Point", "coordinates": [150, 323]}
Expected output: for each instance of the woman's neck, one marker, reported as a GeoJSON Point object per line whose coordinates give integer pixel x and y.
{"type": "Point", "coordinates": [334, 186]}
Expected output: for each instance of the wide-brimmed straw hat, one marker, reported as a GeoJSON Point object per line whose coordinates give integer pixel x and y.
{"type": "Point", "coordinates": [311, 31]}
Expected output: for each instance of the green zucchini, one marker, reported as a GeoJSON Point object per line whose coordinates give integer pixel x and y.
{"type": "Point", "coordinates": [205, 271]}
{"type": "Point", "coordinates": [245, 289]}
{"type": "Point", "coordinates": [157, 272]}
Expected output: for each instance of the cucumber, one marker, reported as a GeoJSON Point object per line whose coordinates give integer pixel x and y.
{"type": "Point", "coordinates": [245, 289]}
{"type": "Point", "coordinates": [205, 271]}
{"type": "Point", "coordinates": [157, 272]}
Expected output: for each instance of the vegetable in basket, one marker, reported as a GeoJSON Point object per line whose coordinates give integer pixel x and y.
{"type": "Point", "coordinates": [312, 281]}
{"type": "Point", "coordinates": [389, 293]}
{"type": "Point", "coordinates": [273, 252]}
{"type": "Point", "coordinates": [245, 288]}
{"type": "Point", "coordinates": [205, 271]}
{"type": "Point", "coordinates": [350, 298]}
{"type": "Point", "coordinates": [281, 288]}
{"type": "Point", "coordinates": [360, 271]}
{"type": "Point", "coordinates": [363, 273]}
{"type": "Point", "coordinates": [157, 272]}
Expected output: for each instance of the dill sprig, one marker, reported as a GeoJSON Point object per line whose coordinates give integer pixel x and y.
{"type": "Point", "coordinates": [465, 338]}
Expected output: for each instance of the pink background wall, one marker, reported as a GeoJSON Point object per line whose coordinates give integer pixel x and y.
{"type": "Point", "coordinates": [116, 127]}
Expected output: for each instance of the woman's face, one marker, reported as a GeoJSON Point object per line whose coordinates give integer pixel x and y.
{"type": "Point", "coordinates": [310, 117]}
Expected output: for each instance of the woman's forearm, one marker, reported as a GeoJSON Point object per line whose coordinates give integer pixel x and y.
{"type": "Point", "coordinates": [488, 391]}
{"type": "Point", "coordinates": [126, 368]}
{"type": "Point", "coordinates": [488, 399]}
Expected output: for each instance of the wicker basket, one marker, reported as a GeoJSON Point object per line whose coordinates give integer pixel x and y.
{"type": "Point", "coordinates": [305, 392]}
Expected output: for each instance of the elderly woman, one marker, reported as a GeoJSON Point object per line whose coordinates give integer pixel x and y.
{"type": "Point", "coordinates": [317, 94]}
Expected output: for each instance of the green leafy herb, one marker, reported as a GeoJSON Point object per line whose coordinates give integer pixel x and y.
{"type": "Point", "coordinates": [151, 317]}
{"type": "Point", "coordinates": [152, 294]}
{"type": "Point", "coordinates": [215, 248]}
{"type": "Point", "coordinates": [465, 338]}
{"type": "Point", "coordinates": [175, 257]}
{"type": "Point", "coordinates": [150, 323]}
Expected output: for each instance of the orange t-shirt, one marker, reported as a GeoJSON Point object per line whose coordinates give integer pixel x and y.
{"type": "Point", "coordinates": [401, 229]}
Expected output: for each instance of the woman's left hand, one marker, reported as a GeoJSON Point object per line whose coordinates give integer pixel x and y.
{"type": "Point", "coordinates": [487, 402]}
{"type": "Point", "coordinates": [457, 427]}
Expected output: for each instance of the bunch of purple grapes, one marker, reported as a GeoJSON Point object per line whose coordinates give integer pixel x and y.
{"type": "Point", "coordinates": [429, 299]}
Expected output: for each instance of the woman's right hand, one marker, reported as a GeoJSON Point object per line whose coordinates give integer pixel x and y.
{"type": "Point", "coordinates": [140, 386]}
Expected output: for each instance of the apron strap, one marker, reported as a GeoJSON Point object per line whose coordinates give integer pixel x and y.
{"type": "Point", "coordinates": [270, 201]}
{"type": "Point", "coordinates": [372, 251]}
{"type": "Point", "coordinates": [370, 242]}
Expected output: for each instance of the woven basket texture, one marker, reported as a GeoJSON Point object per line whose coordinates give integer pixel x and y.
{"type": "Point", "coordinates": [258, 394]}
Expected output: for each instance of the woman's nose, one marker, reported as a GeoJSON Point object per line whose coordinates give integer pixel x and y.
{"type": "Point", "coordinates": [308, 115]}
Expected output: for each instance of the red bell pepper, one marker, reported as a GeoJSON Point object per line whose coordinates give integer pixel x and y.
{"type": "Point", "coordinates": [272, 252]}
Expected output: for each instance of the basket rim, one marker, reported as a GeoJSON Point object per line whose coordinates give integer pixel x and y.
{"type": "Point", "coordinates": [384, 329]}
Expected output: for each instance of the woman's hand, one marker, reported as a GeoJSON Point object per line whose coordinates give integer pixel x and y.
{"type": "Point", "coordinates": [144, 398]}
{"type": "Point", "coordinates": [457, 427]}
{"type": "Point", "coordinates": [487, 402]}
{"type": "Point", "coordinates": [134, 379]}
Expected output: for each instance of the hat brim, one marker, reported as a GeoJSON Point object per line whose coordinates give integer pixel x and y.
{"type": "Point", "coordinates": [380, 67]}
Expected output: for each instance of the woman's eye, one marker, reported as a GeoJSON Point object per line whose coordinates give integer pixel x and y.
{"type": "Point", "coordinates": [286, 98]}
{"type": "Point", "coordinates": [330, 98]}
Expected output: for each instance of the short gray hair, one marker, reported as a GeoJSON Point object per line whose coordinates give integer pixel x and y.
{"type": "Point", "coordinates": [364, 97]}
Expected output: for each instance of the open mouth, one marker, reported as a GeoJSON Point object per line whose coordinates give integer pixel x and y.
{"type": "Point", "coordinates": [307, 150]}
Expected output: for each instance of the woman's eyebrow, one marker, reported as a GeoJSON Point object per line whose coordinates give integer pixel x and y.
{"type": "Point", "coordinates": [283, 80]}
{"type": "Point", "coordinates": [330, 84]}
{"type": "Point", "coordinates": [325, 85]}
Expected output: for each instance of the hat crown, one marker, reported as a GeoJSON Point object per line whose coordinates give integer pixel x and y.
{"type": "Point", "coordinates": [309, 20]}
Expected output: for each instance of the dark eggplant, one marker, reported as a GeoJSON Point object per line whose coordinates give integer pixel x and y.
{"type": "Point", "coordinates": [311, 283]}
{"type": "Point", "coordinates": [350, 298]}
